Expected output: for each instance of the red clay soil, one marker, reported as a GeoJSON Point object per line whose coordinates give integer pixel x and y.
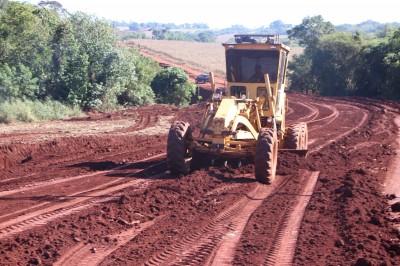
{"type": "Point", "coordinates": [95, 191]}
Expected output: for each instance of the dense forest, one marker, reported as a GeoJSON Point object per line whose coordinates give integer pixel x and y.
{"type": "Point", "coordinates": [55, 64]}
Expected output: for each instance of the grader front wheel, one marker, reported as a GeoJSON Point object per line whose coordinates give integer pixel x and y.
{"type": "Point", "coordinates": [266, 157]}
{"type": "Point", "coordinates": [179, 137]}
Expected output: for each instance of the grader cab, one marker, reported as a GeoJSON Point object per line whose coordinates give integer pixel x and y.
{"type": "Point", "coordinates": [249, 122]}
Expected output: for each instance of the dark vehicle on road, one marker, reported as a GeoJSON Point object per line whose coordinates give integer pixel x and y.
{"type": "Point", "coordinates": [203, 78]}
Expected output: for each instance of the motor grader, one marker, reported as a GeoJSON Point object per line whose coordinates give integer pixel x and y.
{"type": "Point", "coordinates": [249, 120]}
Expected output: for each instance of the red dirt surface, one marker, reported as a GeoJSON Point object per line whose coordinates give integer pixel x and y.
{"type": "Point", "coordinates": [95, 191]}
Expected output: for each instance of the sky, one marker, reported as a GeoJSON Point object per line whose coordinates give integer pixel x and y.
{"type": "Point", "coordinates": [224, 13]}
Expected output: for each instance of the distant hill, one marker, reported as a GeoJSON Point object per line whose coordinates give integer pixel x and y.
{"type": "Point", "coordinates": [368, 26]}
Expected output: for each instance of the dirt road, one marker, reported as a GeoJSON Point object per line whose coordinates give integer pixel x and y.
{"type": "Point", "coordinates": [95, 191]}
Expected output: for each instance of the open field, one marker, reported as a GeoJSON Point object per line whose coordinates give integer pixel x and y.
{"type": "Point", "coordinates": [188, 53]}
{"type": "Point", "coordinates": [204, 57]}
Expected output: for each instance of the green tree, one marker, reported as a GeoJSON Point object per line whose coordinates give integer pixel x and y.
{"type": "Point", "coordinates": [172, 86]}
{"type": "Point", "coordinates": [372, 71]}
{"type": "Point", "coordinates": [25, 33]}
{"type": "Point", "coordinates": [3, 3]}
{"type": "Point", "coordinates": [330, 62]}
{"type": "Point", "coordinates": [55, 6]}
{"type": "Point", "coordinates": [140, 92]}
{"type": "Point", "coordinates": [311, 30]}
{"type": "Point", "coordinates": [300, 75]}
{"type": "Point", "coordinates": [392, 62]}
{"type": "Point", "coordinates": [69, 77]}
{"type": "Point", "coordinates": [90, 70]}
{"type": "Point", "coordinates": [279, 27]}
{"type": "Point", "coordinates": [205, 36]}
{"type": "Point", "coordinates": [91, 54]}
{"type": "Point", "coordinates": [335, 61]}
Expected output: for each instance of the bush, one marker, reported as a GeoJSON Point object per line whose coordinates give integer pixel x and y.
{"type": "Point", "coordinates": [172, 86]}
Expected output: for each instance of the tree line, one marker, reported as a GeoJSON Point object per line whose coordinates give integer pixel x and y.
{"type": "Point", "coordinates": [48, 53]}
{"type": "Point", "coordinates": [191, 32]}
{"type": "Point", "coordinates": [339, 63]}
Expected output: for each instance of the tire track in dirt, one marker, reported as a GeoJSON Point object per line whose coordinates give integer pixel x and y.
{"type": "Point", "coordinates": [325, 120]}
{"type": "Point", "coordinates": [197, 248]}
{"type": "Point", "coordinates": [283, 243]}
{"type": "Point", "coordinates": [41, 185]}
{"type": "Point", "coordinates": [313, 112]}
{"type": "Point", "coordinates": [108, 157]}
{"type": "Point", "coordinates": [282, 251]}
{"type": "Point", "coordinates": [368, 131]}
{"type": "Point", "coordinates": [90, 254]}
{"type": "Point", "coordinates": [216, 243]}
{"type": "Point", "coordinates": [145, 120]}
{"type": "Point", "coordinates": [285, 237]}
{"type": "Point", "coordinates": [47, 214]}
{"type": "Point", "coordinates": [341, 135]}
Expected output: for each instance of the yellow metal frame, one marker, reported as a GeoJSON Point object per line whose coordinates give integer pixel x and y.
{"type": "Point", "coordinates": [224, 118]}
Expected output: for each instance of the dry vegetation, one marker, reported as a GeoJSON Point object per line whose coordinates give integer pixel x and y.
{"type": "Point", "coordinates": [203, 57]}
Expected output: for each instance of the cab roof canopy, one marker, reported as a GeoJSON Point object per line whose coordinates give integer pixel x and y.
{"type": "Point", "coordinates": [257, 38]}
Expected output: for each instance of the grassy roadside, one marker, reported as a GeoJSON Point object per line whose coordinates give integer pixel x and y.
{"type": "Point", "coordinates": [34, 111]}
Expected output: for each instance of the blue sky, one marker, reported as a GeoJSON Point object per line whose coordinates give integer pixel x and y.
{"type": "Point", "coordinates": [224, 13]}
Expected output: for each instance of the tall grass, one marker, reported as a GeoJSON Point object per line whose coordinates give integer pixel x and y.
{"type": "Point", "coordinates": [33, 111]}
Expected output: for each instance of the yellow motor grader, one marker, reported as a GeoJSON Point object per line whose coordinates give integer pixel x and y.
{"type": "Point", "coordinates": [249, 120]}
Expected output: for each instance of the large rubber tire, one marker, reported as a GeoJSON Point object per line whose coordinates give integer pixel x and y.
{"type": "Point", "coordinates": [304, 136]}
{"type": "Point", "coordinates": [266, 157]}
{"type": "Point", "coordinates": [179, 138]}
{"type": "Point", "coordinates": [297, 137]}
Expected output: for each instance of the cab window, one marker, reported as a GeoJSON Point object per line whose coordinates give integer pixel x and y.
{"type": "Point", "coordinates": [238, 91]}
{"type": "Point", "coordinates": [241, 64]}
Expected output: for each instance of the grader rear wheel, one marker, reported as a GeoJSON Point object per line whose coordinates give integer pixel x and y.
{"type": "Point", "coordinates": [179, 138]}
{"type": "Point", "coordinates": [297, 137]}
{"type": "Point", "coordinates": [266, 157]}
{"type": "Point", "coordinates": [304, 135]}
{"type": "Point", "coordinates": [293, 137]}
